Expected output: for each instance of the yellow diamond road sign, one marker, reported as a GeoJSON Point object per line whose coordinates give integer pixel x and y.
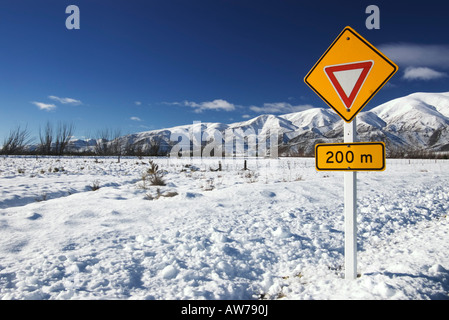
{"type": "Point", "coordinates": [350, 73]}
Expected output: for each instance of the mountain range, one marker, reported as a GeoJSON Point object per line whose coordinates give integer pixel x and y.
{"type": "Point", "coordinates": [419, 121]}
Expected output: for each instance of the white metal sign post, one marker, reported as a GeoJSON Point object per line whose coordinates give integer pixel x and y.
{"type": "Point", "coordinates": [350, 203]}
{"type": "Point", "coordinates": [346, 77]}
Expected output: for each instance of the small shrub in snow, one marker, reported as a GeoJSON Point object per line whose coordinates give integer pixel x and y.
{"type": "Point", "coordinates": [159, 194]}
{"type": "Point", "coordinates": [156, 180]}
{"type": "Point", "coordinates": [250, 176]}
{"type": "Point", "coordinates": [95, 185]}
{"type": "Point", "coordinates": [42, 198]}
{"type": "Point", "coordinates": [154, 175]}
{"type": "Point", "coordinates": [208, 185]}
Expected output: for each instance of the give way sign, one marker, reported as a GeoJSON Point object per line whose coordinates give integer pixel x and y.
{"type": "Point", "coordinates": [350, 73]}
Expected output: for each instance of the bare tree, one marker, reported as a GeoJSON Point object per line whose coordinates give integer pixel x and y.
{"type": "Point", "coordinates": [116, 146]}
{"type": "Point", "coordinates": [63, 135]}
{"type": "Point", "coordinates": [154, 146]}
{"type": "Point", "coordinates": [108, 143]}
{"type": "Point", "coordinates": [16, 141]}
{"type": "Point", "coordinates": [55, 142]}
{"type": "Point", "coordinates": [46, 139]}
{"type": "Point", "coordinates": [102, 144]}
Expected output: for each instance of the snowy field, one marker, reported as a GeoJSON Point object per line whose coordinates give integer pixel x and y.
{"type": "Point", "coordinates": [86, 228]}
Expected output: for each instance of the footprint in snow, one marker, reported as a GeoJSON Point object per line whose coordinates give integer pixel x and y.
{"type": "Point", "coordinates": [191, 195]}
{"type": "Point", "coordinates": [34, 216]}
{"type": "Point", "coordinates": [268, 194]}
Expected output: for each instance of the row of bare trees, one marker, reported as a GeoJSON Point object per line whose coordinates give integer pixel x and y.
{"type": "Point", "coordinates": [54, 140]}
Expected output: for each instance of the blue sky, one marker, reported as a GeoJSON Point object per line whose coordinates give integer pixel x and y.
{"type": "Point", "coordinates": [141, 65]}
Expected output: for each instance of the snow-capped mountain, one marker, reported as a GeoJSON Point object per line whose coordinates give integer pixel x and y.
{"type": "Point", "coordinates": [419, 121]}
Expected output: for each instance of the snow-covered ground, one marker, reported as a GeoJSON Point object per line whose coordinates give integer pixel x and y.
{"type": "Point", "coordinates": [275, 231]}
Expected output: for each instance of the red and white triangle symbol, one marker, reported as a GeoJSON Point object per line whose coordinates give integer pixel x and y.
{"type": "Point", "coordinates": [348, 79]}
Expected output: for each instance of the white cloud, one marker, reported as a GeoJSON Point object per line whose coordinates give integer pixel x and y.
{"type": "Point", "coordinates": [65, 100]}
{"type": "Point", "coordinates": [216, 105]}
{"type": "Point", "coordinates": [223, 105]}
{"type": "Point", "coordinates": [172, 103]}
{"type": "Point", "coordinates": [138, 103]}
{"type": "Point", "coordinates": [421, 61]}
{"type": "Point", "coordinates": [422, 73]}
{"type": "Point", "coordinates": [417, 55]}
{"type": "Point", "coordinates": [135, 119]}
{"type": "Point", "coordinates": [44, 106]}
{"type": "Point", "coordinates": [280, 107]}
